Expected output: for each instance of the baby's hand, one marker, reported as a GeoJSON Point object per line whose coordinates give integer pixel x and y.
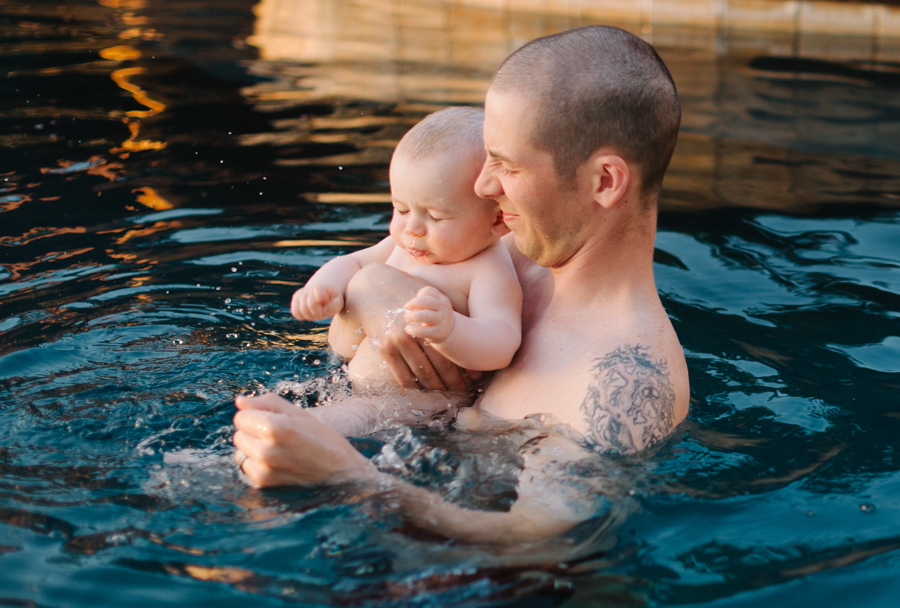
{"type": "Point", "coordinates": [429, 316]}
{"type": "Point", "coordinates": [312, 303]}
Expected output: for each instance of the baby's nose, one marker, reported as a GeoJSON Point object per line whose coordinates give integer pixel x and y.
{"type": "Point", "coordinates": [415, 226]}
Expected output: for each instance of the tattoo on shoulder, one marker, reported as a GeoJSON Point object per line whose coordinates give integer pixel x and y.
{"type": "Point", "coordinates": [630, 401]}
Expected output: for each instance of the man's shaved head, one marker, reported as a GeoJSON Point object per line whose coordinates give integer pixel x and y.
{"type": "Point", "coordinates": [597, 86]}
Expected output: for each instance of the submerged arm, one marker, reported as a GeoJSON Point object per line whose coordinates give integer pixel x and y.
{"type": "Point", "coordinates": [546, 506]}
{"type": "Point", "coordinates": [287, 446]}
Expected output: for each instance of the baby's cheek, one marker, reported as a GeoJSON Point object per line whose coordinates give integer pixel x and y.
{"type": "Point", "coordinates": [396, 230]}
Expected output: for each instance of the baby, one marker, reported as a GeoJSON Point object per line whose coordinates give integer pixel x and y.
{"type": "Point", "coordinates": [444, 234]}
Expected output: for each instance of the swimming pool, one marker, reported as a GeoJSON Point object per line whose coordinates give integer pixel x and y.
{"type": "Point", "coordinates": [173, 171]}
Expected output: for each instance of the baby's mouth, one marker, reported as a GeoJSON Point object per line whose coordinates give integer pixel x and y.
{"type": "Point", "coordinates": [416, 253]}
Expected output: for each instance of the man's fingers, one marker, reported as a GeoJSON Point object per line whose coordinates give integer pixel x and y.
{"type": "Point", "coordinates": [410, 366]}
{"type": "Point", "coordinates": [269, 402]}
{"type": "Point", "coordinates": [448, 371]}
{"type": "Point", "coordinates": [421, 367]}
{"type": "Point", "coordinates": [398, 365]}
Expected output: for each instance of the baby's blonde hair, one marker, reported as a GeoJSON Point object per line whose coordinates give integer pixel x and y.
{"type": "Point", "coordinates": [457, 130]}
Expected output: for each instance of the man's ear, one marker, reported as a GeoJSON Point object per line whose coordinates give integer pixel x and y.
{"type": "Point", "coordinates": [498, 228]}
{"type": "Point", "coordinates": [611, 178]}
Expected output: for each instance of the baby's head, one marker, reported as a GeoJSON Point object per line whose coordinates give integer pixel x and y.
{"type": "Point", "coordinates": [438, 218]}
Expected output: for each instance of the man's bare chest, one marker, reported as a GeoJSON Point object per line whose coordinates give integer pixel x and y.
{"type": "Point", "coordinates": [549, 375]}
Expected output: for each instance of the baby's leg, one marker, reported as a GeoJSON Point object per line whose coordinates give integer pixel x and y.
{"type": "Point", "coordinates": [351, 417]}
{"type": "Point", "coordinates": [364, 414]}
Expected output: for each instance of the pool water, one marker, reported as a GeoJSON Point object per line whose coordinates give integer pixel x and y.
{"type": "Point", "coordinates": [173, 171]}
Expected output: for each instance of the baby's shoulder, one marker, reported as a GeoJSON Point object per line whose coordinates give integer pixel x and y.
{"type": "Point", "coordinates": [495, 260]}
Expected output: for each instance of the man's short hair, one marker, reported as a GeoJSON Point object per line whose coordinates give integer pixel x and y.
{"type": "Point", "coordinates": [457, 130]}
{"type": "Point", "coordinates": [597, 86]}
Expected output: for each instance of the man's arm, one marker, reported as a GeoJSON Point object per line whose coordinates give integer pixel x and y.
{"type": "Point", "coordinates": [287, 446]}
{"type": "Point", "coordinates": [373, 291]}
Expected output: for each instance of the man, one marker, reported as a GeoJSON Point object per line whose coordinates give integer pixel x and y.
{"type": "Point", "coordinates": [579, 129]}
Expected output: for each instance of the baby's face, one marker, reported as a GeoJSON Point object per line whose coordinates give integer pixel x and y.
{"type": "Point", "coordinates": [438, 219]}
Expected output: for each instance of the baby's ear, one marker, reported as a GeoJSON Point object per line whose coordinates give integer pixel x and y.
{"type": "Point", "coordinates": [499, 228]}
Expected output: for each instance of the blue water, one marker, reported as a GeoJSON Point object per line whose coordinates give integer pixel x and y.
{"type": "Point", "coordinates": [143, 285]}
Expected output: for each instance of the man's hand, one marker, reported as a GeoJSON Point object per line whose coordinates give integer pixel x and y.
{"type": "Point", "coordinates": [429, 316]}
{"type": "Point", "coordinates": [316, 301]}
{"type": "Point", "coordinates": [286, 446]}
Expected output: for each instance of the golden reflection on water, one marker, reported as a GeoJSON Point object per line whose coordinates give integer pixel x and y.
{"type": "Point", "coordinates": [133, 117]}
{"type": "Point", "coordinates": [149, 197]}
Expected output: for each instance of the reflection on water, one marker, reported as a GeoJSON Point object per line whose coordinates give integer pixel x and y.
{"type": "Point", "coordinates": [173, 171]}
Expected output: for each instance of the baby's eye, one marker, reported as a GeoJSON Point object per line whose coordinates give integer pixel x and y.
{"type": "Point", "coordinates": [401, 211]}
{"type": "Point", "coordinates": [435, 219]}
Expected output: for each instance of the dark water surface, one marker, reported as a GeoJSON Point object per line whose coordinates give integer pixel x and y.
{"type": "Point", "coordinates": [173, 171]}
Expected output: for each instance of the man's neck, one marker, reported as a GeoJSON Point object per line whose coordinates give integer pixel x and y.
{"type": "Point", "coordinates": [611, 269]}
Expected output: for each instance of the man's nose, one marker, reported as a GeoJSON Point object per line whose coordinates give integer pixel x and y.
{"type": "Point", "coordinates": [487, 186]}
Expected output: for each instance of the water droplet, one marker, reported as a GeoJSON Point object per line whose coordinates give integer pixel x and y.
{"type": "Point", "coordinates": [233, 269]}
{"type": "Point", "coordinates": [232, 336]}
{"type": "Point", "coordinates": [867, 507]}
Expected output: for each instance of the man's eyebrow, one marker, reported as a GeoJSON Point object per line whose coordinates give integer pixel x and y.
{"type": "Point", "coordinates": [496, 155]}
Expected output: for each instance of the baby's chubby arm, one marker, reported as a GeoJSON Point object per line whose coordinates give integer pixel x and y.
{"type": "Point", "coordinates": [485, 340]}
{"type": "Point", "coordinates": [323, 294]}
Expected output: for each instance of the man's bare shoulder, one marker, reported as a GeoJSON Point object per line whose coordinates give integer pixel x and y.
{"type": "Point", "coordinates": [619, 380]}
{"type": "Point", "coordinates": [633, 400]}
